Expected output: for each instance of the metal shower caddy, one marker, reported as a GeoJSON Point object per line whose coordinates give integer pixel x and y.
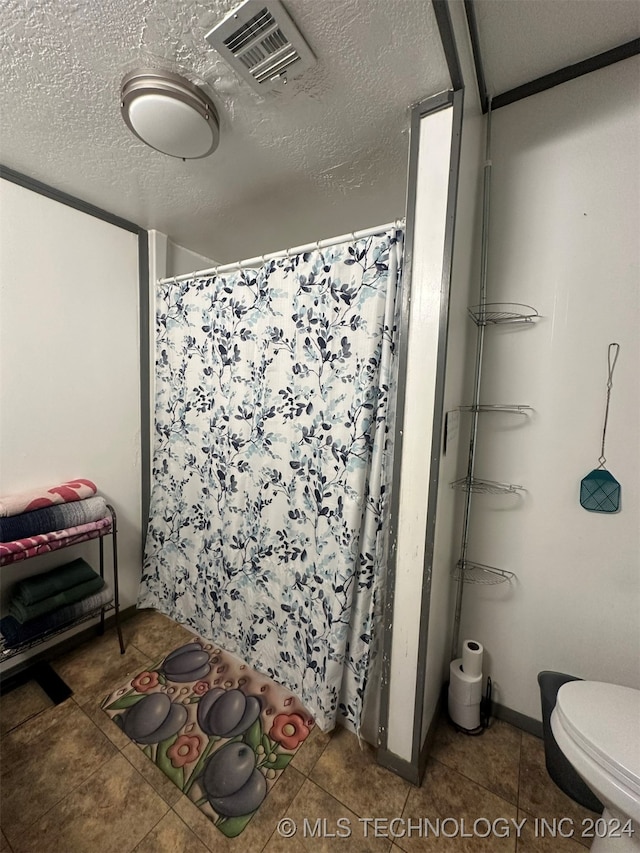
{"type": "Point", "coordinates": [484, 314]}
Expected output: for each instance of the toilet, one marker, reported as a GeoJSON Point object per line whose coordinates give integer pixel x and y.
{"type": "Point", "coordinates": [597, 727]}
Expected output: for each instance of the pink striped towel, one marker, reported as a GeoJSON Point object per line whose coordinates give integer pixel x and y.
{"type": "Point", "coordinates": [32, 546]}
{"type": "Point", "coordinates": [73, 490]}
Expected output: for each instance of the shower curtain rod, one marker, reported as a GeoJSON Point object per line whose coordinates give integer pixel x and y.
{"type": "Point", "coordinates": [260, 259]}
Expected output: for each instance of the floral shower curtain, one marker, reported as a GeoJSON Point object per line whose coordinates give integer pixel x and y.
{"type": "Point", "coordinates": [272, 464]}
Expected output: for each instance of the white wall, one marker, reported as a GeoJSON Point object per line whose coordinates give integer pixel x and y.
{"type": "Point", "coordinates": [69, 366]}
{"type": "Point", "coordinates": [564, 237]}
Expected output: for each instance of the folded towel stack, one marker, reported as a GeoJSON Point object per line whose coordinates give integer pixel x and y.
{"type": "Point", "coordinates": [41, 587]}
{"type": "Point", "coordinates": [48, 519]}
{"type": "Point", "coordinates": [15, 633]}
{"type": "Point", "coordinates": [73, 490]}
{"type": "Point", "coordinates": [46, 595]}
{"type": "Point", "coordinates": [33, 546]}
{"type": "Point", "coordinates": [45, 519]}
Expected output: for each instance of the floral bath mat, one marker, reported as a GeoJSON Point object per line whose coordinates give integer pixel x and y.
{"type": "Point", "coordinates": [218, 729]}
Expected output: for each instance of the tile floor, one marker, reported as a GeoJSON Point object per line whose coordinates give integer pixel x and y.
{"type": "Point", "coordinates": [71, 782]}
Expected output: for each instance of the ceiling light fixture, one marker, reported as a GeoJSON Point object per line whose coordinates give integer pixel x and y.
{"type": "Point", "coordinates": [170, 114]}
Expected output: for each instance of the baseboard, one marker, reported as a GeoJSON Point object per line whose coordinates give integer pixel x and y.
{"type": "Point", "coordinates": [431, 735]}
{"type": "Point", "coordinates": [515, 718]}
{"type": "Point", "coordinates": [406, 769]}
{"type": "Point", "coordinates": [501, 712]}
{"type": "Point", "coordinates": [400, 766]}
{"type": "Point", "coordinates": [415, 773]}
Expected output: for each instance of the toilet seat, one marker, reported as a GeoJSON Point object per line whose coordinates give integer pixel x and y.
{"type": "Point", "coordinates": [603, 721]}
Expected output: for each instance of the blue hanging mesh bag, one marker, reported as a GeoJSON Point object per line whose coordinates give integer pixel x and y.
{"type": "Point", "coordinates": [600, 491]}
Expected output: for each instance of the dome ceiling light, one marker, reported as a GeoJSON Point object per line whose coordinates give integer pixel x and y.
{"type": "Point", "coordinates": [170, 114]}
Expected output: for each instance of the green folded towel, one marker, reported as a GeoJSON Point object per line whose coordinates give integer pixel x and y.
{"type": "Point", "coordinates": [23, 613]}
{"type": "Point", "coordinates": [38, 587]}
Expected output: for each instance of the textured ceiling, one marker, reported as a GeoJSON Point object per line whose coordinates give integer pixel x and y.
{"type": "Point", "coordinates": [325, 156]}
{"type": "Point", "coordinates": [521, 40]}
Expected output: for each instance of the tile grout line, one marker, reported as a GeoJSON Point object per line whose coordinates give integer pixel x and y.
{"type": "Point", "coordinates": [151, 830]}
{"type": "Point", "coordinates": [6, 841]}
{"type": "Point", "coordinates": [475, 782]}
{"type": "Point", "coordinates": [109, 743]}
{"type": "Point", "coordinates": [116, 752]}
{"type": "Point", "coordinates": [182, 820]}
{"type": "Point", "coordinates": [333, 797]}
{"type": "Point", "coordinates": [26, 720]}
{"type": "Point", "coordinates": [306, 777]}
{"type": "Point", "coordinates": [312, 768]}
{"type": "Point", "coordinates": [481, 784]}
{"type": "Point", "coordinates": [150, 784]}
{"type": "Point", "coordinates": [160, 797]}
{"type": "Point", "coordinates": [262, 849]}
{"type": "Point", "coordinates": [83, 781]}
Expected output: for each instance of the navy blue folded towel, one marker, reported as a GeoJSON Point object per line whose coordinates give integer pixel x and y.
{"type": "Point", "coordinates": [47, 519]}
{"type": "Point", "coordinates": [15, 634]}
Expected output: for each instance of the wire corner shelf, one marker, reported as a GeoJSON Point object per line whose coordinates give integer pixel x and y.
{"type": "Point", "coordinates": [477, 573]}
{"type": "Point", "coordinates": [495, 313]}
{"type": "Point", "coordinates": [515, 408]}
{"type": "Point", "coordinates": [486, 487]}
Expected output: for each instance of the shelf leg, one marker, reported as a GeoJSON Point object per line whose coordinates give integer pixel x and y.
{"type": "Point", "coordinates": [101, 544]}
{"type": "Point", "coordinates": [116, 596]}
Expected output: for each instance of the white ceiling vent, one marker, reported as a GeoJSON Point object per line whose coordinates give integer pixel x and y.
{"type": "Point", "coordinates": [261, 42]}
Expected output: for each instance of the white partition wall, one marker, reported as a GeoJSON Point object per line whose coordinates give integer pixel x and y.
{"type": "Point", "coordinates": [443, 224]}
{"type": "Point", "coordinates": [432, 183]}
{"type": "Point", "coordinates": [70, 364]}
{"type": "Point", "coordinates": [458, 384]}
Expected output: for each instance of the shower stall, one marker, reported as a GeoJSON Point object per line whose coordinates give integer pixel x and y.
{"type": "Point", "coordinates": [273, 443]}
{"type": "Point", "coordinates": [299, 406]}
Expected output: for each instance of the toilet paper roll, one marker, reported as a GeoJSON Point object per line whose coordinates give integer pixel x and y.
{"type": "Point", "coordinates": [463, 688]}
{"type": "Point", "coordinates": [472, 652]}
{"type": "Point", "coordinates": [465, 716]}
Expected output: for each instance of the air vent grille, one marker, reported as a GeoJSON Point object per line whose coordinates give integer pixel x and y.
{"type": "Point", "coordinates": [262, 43]}
{"type": "Point", "coordinates": [255, 27]}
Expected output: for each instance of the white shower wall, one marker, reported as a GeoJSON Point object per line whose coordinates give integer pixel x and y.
{"type": "Point", "coordinates": [564, 237]}
{"type": "Point", "coordinates": [166, 258]}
